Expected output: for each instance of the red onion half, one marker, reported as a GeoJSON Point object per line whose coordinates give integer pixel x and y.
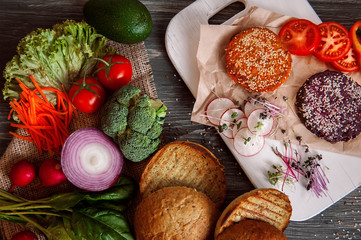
{"type": "Point", "coordinates": [91, 160]}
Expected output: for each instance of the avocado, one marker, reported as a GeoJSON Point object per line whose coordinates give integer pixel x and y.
{"type": "Point", "coordinates": [124, 21]}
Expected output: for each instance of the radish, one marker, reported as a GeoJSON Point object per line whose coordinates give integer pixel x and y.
{"type": "Point", "coordinates": [240, 123]}
{"type": "Point", "coordinates": [247, 144]}
{"type": "Point", "coordinates": [50, 173]}
{"type": "Point", "coordinates": [228, 120]}
{"type": "Point", "coordinates": [216, 108]}
{"type": "Point", "coordinates": [22, 174]}
{"type": "Point", "coordinates": [251, 105]}
{"type": "Point", "coordinates": [24, 235]}
{"type": "Point", "coordinates": [260, 122]}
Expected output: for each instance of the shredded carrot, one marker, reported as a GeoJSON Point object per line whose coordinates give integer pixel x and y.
{"type": "Point", "coordinates": [46, 125]}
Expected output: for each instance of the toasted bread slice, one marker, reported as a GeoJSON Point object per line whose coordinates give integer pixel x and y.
{"type": "Point", "coordinates": [268, 205]}
{"type": "Point", "coordinates": [183, 163]}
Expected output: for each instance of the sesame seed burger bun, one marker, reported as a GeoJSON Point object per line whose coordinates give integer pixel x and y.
{"type": "Point", "coordinates": [175, 213]}
{"type": "Point", "coordinates": [258, 60]}
{"type": "Point", "coordinates": [251, 230]}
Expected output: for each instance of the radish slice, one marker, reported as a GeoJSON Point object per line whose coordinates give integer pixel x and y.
{"type": "Point", "coordinates": [260, 122]}
{"type": "Point", "coordinates": [216, 108]}
{"type": "Point", "coordinates": [251, 105]}
{"type": "Point", "coordinates": [241, 123]}
{"type": "Point", "coordinates": [228, 119]}
{"type": "Point", "coordinates": [247, 144]}
{"type": "Point", "coordinates": [91, 160]}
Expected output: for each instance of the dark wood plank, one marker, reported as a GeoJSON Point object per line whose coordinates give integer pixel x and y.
{"type": "Point", "coordinates": [17, 18]}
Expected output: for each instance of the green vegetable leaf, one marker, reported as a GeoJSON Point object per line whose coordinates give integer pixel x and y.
{"type": "Point", "coordinates": [92, 223]}
{"type": "Point", "coordinates": [54, 57]}
{"type": "Point", "coordinates": [57, 231]}
{"type": "Point", "coordinates": [124, 188]}
{"type": "Point", "coordinates": [66, 200]}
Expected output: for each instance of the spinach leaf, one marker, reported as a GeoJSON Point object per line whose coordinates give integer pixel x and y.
{"type": "Point", "coordinates": [93, 223]}
{"type": "Point", "coordinates": [124, 188]}
{"type": "Point", "coordinates": [57, 231]}
{"type": "Point", "coordinates": [66, 200]}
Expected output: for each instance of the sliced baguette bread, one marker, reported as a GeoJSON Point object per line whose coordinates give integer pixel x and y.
{"type": "Point", "coordinates": [175, 213]}
{"type": "Point", "coordinates": [268, 205]}
{"type": "Point", "coordinates": [183, 163]}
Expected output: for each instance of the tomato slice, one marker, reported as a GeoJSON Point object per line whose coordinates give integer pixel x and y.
{"type": "Point", "coordinates": [301, 36]}
{"type": "Point", "coordinates": [355, 36]}
{"type": "Point", "coordinates": [348, 63]}
{"type": "Point", "coordinates": [335, 42]}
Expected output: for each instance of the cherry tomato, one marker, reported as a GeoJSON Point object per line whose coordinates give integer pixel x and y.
{"type": "Point", "coordinates": [116, 73]}
{"type": "Point", "coordinates": [301, 36]}
{"type": "Point", "coordinates": [348, 63]}
{"type": "Point", "coordinates": [24, 235]}
{"type": "Point", "coordinates": [87, 95]}
{"type": "Point", "coordinates": [355, 37]}
{"type": "Point", "coordinates": [335, 42]}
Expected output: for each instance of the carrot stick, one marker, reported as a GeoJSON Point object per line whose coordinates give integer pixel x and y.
{"type": "Point", "coordinates": [46, 124]}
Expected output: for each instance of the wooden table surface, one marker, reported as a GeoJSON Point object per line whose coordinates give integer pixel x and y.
{"type": "Point", "coordinates": [17, 18]}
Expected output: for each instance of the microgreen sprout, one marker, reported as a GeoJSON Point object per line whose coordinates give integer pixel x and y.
{"type": "Point", "coordinates": [272, 109]}
{"type": "Point", "coordinates": [239, 125]}
{"type": "Point", "coordinates": [234, 115]}
{"type": "Point", "coordinates": [246, 140]}
{"type": "Point", "coordinates": [222, 127]}
{"type": "Point", "coordinates": [310, 169]}
{"type": "Point", "coordinates": [259, 125]}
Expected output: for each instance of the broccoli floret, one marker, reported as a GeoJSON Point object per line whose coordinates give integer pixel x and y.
{"type": "Point", "coordinates": [115, 123]}
{"type": "Point", "coordinates": [136, 146]}
{"type": "Point", "coordinates": [155, 131]}
{"type": "Point", "coordinates": [142, 115]}
{"type": "Point", "coordinates": [125, 94]}
{"type": "Point", "coordinates": [134, 121]}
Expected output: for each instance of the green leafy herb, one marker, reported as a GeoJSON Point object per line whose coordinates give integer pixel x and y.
{"type": "Point", "coordinates": [75, 215]}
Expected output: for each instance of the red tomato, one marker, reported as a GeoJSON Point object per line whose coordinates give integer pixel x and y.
{"type": "Point", "coordinates": [87, 95]}
{"type": "Point", "coordinates": [355, 37]}
{"type": "Point", "coordinates": [24, 235]}
{"type": "Point", "coordinates": [301, 36]}
{"type": "Point", "coordinates": [335, 42]}
{"type": "Point", "coordinates": [348, 63]}
{"type": "Point", "coordinates": [116, 73]}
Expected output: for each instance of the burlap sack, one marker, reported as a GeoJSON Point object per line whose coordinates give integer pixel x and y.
{"type": "Point", "coordinates": [19, 149]}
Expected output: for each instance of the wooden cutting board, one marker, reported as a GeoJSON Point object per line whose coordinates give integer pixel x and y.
{"type": "Point", "coordinates": [181, 40]}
